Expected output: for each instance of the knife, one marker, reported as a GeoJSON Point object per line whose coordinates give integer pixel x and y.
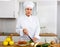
{"type": "Point", "coordinates": [30, 38]}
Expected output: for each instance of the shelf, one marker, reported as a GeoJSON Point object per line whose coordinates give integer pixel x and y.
{"type": "Point", "coordinates": [41, 34]}
{"type": "Point", "coordinates": [48, 34]}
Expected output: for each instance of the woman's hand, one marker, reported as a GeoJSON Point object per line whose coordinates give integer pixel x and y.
{"type": "Point", "coordinates": [25, 31]}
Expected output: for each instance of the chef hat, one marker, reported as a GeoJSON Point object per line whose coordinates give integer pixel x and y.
{"type": "Point", "coordinates": [28, 4]}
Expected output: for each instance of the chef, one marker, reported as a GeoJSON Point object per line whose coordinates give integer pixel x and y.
{"type": "Point", "coordinates": [28, 24]}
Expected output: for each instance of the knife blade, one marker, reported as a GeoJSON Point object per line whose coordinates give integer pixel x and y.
{"type": "Point", "coordinates": [30, 38]}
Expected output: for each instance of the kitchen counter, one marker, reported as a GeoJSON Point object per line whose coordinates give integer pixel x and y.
{"type": "Point", "coordinates": [44, 37]}
{"type": "Point", "coordinates": [58, 45]}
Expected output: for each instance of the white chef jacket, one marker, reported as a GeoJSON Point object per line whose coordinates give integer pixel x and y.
{"type": "Point", "coordinates": [30, 23]}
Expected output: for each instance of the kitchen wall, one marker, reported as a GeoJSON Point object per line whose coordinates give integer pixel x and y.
{"type": "Point", "coordinates": [58, 19]}
{"type": "Point", "coordinates": [7, 16]}
{"type": "Point", "coordinates": [7, 25]}
{"type": "Point", "coordinates": [47, 13]}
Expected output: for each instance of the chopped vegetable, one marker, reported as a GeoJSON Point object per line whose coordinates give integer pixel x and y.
{"type": "Point", "coordinates": [45, 45]}
{"type": "Point", "coordinates": [30, 41]}
{"type": "Point", "coordinates": [32, 44]}
{"type": "Point", "coordinates": [38, 45]}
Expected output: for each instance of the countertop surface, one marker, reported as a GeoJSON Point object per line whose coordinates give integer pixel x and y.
{"type": "Point", "coordinates": [1, 45]}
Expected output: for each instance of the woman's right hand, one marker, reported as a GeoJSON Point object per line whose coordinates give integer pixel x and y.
{"type": "Point", "coordinates": [25, 31]}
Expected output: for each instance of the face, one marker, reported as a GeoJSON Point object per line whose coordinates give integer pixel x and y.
{"type": "Point", "coordinates": [28, 11]}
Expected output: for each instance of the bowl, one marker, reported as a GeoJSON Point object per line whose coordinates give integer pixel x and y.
{"type": "Point", "coordinates": [22, 43]}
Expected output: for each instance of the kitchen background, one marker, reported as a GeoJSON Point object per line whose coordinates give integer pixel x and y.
{"type": "Point", "coordinates": [47, 11]}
